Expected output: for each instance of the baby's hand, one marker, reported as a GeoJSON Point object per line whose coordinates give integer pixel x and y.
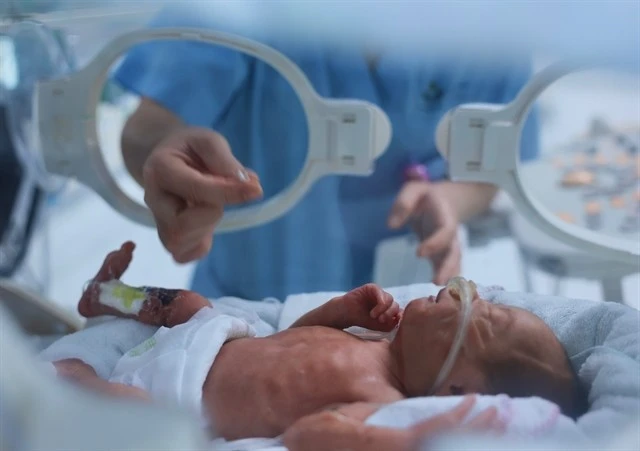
{"type": "Point", "coordinates": [371, 307]}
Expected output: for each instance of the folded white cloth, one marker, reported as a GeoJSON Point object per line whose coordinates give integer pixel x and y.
{"type": "Point", "coordinates": [173, 364]}
{"type": "Point", "coordinates": [522, 417]}
{"type": "Point", "coordinates": [100, 346]}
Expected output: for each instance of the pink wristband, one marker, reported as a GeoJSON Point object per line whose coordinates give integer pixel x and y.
{"type": "Point", "coordinates": [416, 172]}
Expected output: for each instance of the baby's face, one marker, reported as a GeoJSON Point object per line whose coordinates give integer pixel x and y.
{"type": "Point", "coordinates": [496, 333]}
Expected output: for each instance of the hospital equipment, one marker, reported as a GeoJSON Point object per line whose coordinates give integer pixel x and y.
{"type": "Point", "coordinates": [464, 291]}
{"type": "Point", "coordinates": [607, 202]}
{"type": "Point", "coordinates": [480, 143]}
{"type": "Point", "coordinates": [182, 441]}
{"type": "Point", "coordinates": [40, 316]}
{"type": "Point", "coordinates": [27, 55]}
{"type": "Point", "coordinates": [345, 137]}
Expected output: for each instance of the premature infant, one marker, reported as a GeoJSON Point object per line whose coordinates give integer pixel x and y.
{"type": "Point", "coordinates": [264, 387]}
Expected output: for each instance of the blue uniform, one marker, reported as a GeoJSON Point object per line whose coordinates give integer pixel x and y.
{"type": "Point", "coordinates": [328, 240]}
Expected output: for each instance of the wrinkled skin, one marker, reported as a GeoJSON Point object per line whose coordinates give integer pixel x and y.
{"type": "Point", "coordinates": [315, 380]}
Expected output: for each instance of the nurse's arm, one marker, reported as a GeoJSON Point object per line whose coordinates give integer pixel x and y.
{"type": "Point", "coordinates": [467, 199]}
{"type": "Point", "coordinates": [150, 124]}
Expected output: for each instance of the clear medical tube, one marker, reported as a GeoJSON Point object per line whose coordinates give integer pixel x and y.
{"type": "Point", "coordinates": [464, 291]}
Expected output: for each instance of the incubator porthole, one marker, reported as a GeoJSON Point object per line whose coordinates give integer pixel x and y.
{"type": "Point", "coordinates": [230, 101]}
{"type": "Point", "coordinates": [587, 171]}
{"type": "Point", "coordinates": [35, 52]}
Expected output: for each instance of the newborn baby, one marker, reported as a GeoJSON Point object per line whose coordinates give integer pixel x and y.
{"type": "Point", "coordinates": [262, 387]}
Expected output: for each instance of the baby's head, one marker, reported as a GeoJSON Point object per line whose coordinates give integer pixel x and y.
{"type": "Point", "coordinates": [506, 350]}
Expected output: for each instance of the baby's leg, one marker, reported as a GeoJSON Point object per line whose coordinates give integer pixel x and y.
{"type": "Point", "coordinates": [78, 372]}
{"type": "Point", "coordinates": [106, 295]}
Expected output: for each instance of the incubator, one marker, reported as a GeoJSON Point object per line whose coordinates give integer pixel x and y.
{"type": "Point", "coordinates": [58, 125]}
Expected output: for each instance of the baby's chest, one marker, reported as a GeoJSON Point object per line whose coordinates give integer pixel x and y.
{"type": "Point", "coordinates": [344, 374]}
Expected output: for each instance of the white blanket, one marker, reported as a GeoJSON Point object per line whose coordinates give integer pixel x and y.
{"type": "Point", "coordinates": [601, 339]}
{"type": "Point", "coordinates": [172, 366]}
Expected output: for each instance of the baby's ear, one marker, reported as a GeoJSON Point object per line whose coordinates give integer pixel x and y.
{"type": "Point", "coordinates": [456, 390]}
{"type": "Point", "coordinates": [465, 379]}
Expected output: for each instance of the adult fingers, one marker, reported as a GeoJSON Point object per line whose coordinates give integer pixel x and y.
{"type": "Point", "coordinates": [448, 265]}
{"type": "Point", "coordinates": [194, 187]}
{"type": "Point", "coordinates": [197, 251]}
{"type": "Point", "coordinates": [198, 224]}
{"type": "Point", "coordinates": [192, 231]}
{"type": "Point", "coordinates": [407, 203]}
{"type": "Point", "coordinates": [436, 214]}
{"type": "Point", "coordinates": [438, 241]}
{"type": "Point", "coordinates": [165, 208]}
{"type": "Point", "coordinates": [215, 153]}
{"type": "Point", "coordinates": [180, 227]}
{"type": "Point", "coordinates": [164, 205]}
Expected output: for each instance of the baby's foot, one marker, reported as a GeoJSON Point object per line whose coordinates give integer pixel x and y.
{"type": "Point", "coordinates": [114, 266]}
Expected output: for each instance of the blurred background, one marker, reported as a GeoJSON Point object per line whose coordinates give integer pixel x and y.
{"type": "Point", "coordinates": [75, 229]}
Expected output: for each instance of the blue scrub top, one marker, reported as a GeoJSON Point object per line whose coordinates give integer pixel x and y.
{"type": "Point", "coordinates": [328, 240]}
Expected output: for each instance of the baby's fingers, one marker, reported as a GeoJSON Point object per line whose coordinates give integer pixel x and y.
{"type": "Point", "coordinates": [390, 314]}
{"type": "Point", "coordinates": [383, 301]}
{"type": "Point", "coordinates": [448, 421]}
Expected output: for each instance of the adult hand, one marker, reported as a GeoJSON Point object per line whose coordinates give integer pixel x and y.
{"type": "Point", "coordinates": [189, 178]}
{"type": "Point", "coordinates": [434, 220]}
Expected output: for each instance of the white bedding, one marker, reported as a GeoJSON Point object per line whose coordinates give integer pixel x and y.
{"type": "Point", "coordinates": [601, 339]}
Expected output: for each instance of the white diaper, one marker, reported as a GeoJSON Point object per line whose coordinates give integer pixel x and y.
{"type": "Point", "coordinates": [173, 364]}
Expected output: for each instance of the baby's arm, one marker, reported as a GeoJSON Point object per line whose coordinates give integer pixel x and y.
{"type": "Point", "coordinates": [107, 295]}
{"type": "Point", "coordinates": [345, 428]}
{"type": "Point", "coordinates": [367, 306]}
